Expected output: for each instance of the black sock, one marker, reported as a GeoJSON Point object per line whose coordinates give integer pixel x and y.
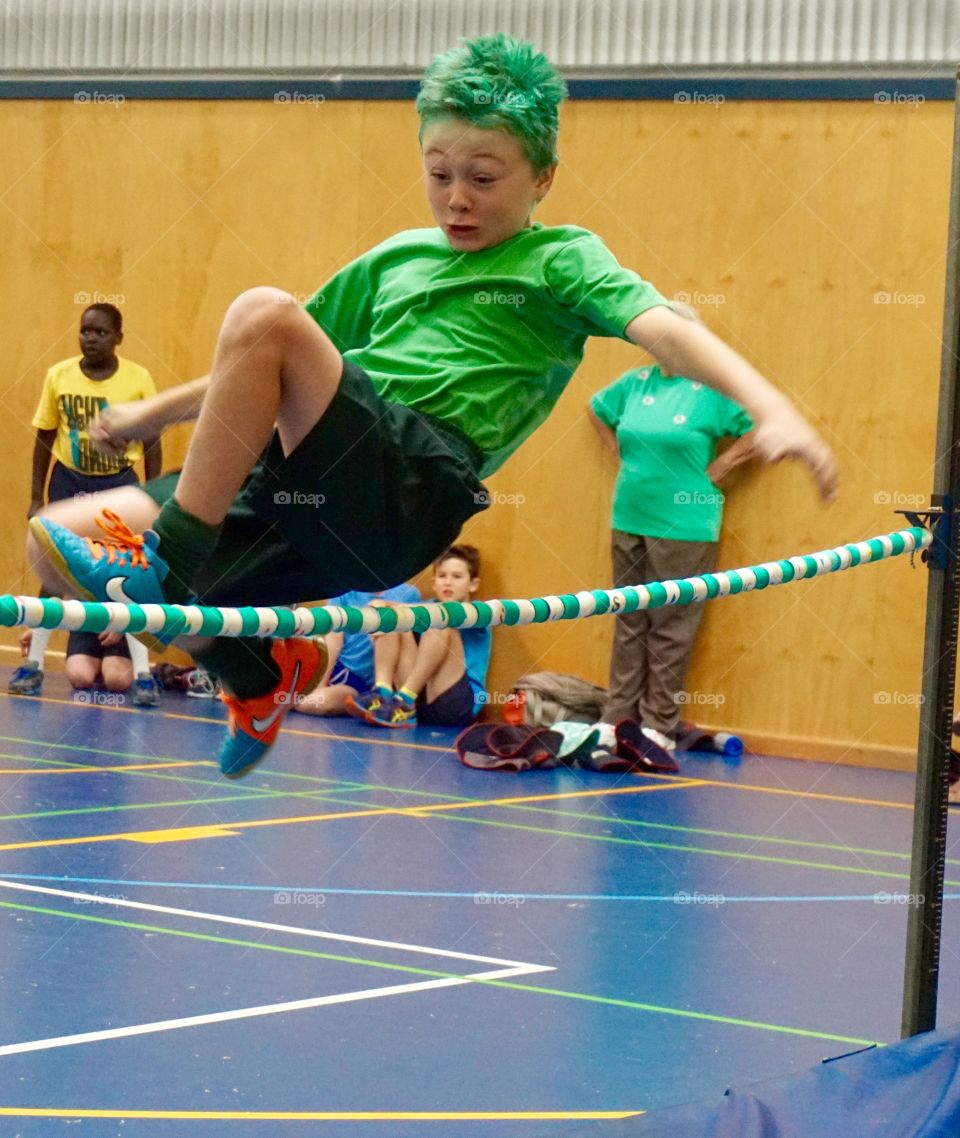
{"type": "Point", "coordinates": [244, 665]}
{"type": "Point", "coordinates": [185, 544]}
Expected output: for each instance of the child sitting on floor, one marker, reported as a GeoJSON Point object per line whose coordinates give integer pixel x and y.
{"type": "Point", "coordinates": [437, 678]}
{"type": "Point", "coordinates": [350, 655]}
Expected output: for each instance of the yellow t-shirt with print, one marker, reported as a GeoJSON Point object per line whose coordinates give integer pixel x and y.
{"type": "Point", "coordinates": [71, 401]}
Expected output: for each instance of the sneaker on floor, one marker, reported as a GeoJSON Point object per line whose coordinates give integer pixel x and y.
{"type": "Point", "coordinates": [146, 691]}
{"type": "Point", "coordinates": [395, 712]}
{"type": "Point", "coordinates": [26, 680]}
{"type": "Point", "coordinates": [255, 723]}
{"type": "Point", "coordinates": [123, 567]}
{"type": "Point", "coordinates": [364, 705]}
{"type": "Point", "coordinates": [382, 711]}
{"type": "Point", "coordinates": [201, 685]}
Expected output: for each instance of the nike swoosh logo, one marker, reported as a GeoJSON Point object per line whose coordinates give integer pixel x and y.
{"type": "Point", "coordinates": [116, 592]}
{"type": "Point", "coordinates": [284, 701]}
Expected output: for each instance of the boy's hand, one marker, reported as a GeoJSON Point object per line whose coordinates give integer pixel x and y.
{"type": "Point", "coordinates": [26, 639]}
{"type": "Point", "coordinates": [116, 427]}
{"type": "Point", "coordinates": [786, 434]}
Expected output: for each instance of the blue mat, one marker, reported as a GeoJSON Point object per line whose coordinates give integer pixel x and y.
{"type": "Point", "coordinates": [910, 1089]}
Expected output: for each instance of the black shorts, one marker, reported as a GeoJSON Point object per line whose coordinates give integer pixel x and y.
{"type": "Point", "coordinates": [66, 483]}
{"type": "Point", "coordinates": [370, 497]}
{"type": "Point", "coordinates": [87, 644]}
{"type": "Point", "coordinates": [452, 708]}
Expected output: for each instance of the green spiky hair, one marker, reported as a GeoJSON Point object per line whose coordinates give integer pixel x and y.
{"type": "Point", "coordinates": [497, 82]}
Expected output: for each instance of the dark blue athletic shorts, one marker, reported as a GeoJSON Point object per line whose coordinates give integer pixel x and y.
{"type": "Point", "coordinates": [66, 483]}
{"type": "Point", "coordinates": [371, 496]}
{"type": "Point", "coordinates": [452, 708]}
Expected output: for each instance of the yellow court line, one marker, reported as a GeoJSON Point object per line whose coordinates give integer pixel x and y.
{"type": "Point", "coordinates": [328, 1115]}
{"type": "Point", "coordinates": [155, 713]}
{"type": "Point", "coordinates": [806, 794]}
{"type": "Point", "coordinates": [223, 829]}
{"type": "Point", "coordinates": [675, 784]}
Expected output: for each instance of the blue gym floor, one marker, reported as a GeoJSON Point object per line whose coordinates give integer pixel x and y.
{"type": "Point", "coordinates": [364, 937]}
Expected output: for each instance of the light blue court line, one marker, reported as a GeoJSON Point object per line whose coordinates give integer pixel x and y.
{"type": "Point", "coordinates": [680, 897]}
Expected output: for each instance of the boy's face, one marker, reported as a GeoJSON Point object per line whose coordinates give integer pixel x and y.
{"type": "Point", "coordinates": [452, 580]}
{"type": "Point", "coordinates": [98, 337]}
{"type": "Point", "coordinates": [480, 185]}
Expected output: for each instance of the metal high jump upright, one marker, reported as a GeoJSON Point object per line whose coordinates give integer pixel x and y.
{"type": "Point", "coordinates": [925, 903]}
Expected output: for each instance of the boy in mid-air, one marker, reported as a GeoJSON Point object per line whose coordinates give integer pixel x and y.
{"type": "Point", "coordinates": [386, 398]}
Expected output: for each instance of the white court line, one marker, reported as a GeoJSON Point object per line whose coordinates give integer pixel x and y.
{"type": "Point", "coordinates": [264, 1010]}
{"type": "Point", "coordinates": [296, 929]}
{"type": "Point", "coordinates": [512, 968]}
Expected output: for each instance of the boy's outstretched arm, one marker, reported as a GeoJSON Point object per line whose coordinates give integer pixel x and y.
{"type": "Point", "coordinates": [147, 419]}
{"type": "Point", "coordinates": [683, 347]}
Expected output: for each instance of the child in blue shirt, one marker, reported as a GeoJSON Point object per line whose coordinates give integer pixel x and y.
{"type": "Point", "coordinates": [439, 678]}
{"type": "Point", "coordinates": [350, 655]}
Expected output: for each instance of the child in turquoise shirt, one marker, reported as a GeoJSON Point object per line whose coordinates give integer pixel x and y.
{"type": "Point", "coordinates": [666, 521]}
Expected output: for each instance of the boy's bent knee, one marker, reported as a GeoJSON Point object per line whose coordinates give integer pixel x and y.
{"type": "Point", "coordinates": [260, 313]}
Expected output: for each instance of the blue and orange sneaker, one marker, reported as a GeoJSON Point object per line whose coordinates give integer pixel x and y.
{"type": "Point", "coordinates": [124, 567]}
{"type": "Point", "coordinates": [382, 711]}
{"type": "Point", "coordinates": [255, 723]}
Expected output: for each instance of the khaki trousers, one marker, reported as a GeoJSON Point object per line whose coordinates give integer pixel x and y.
{"type": "Point", "coordinates": [651, 649]}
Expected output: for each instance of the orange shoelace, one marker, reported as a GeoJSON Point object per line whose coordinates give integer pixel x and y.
{"type": "Point", "coordinates": [120, 539]}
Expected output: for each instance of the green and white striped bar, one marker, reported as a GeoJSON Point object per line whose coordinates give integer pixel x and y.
{"type": "Point", "coordinates": [194, 620]}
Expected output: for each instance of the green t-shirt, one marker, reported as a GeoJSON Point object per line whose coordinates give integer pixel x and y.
{"type": "Point", "coordinates": [667, 430]}
{"type": "Point", "coordinates": [486, 341]}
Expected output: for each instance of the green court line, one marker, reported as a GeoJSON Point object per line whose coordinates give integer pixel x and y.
{"type": "Point", "coordinates": [739, 855]}
{"type": "Point", "coordinates": [607, 819]}
{"type": "Point", "coordinates": [609, 1001]}
{"type": "Point", "coordinates": [129, 806]}
{"type": "Point", "coordinates": [347, 786]}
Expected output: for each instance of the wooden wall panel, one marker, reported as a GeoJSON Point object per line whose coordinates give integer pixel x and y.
{"type": "Point", "coordinates": [783, 221]}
